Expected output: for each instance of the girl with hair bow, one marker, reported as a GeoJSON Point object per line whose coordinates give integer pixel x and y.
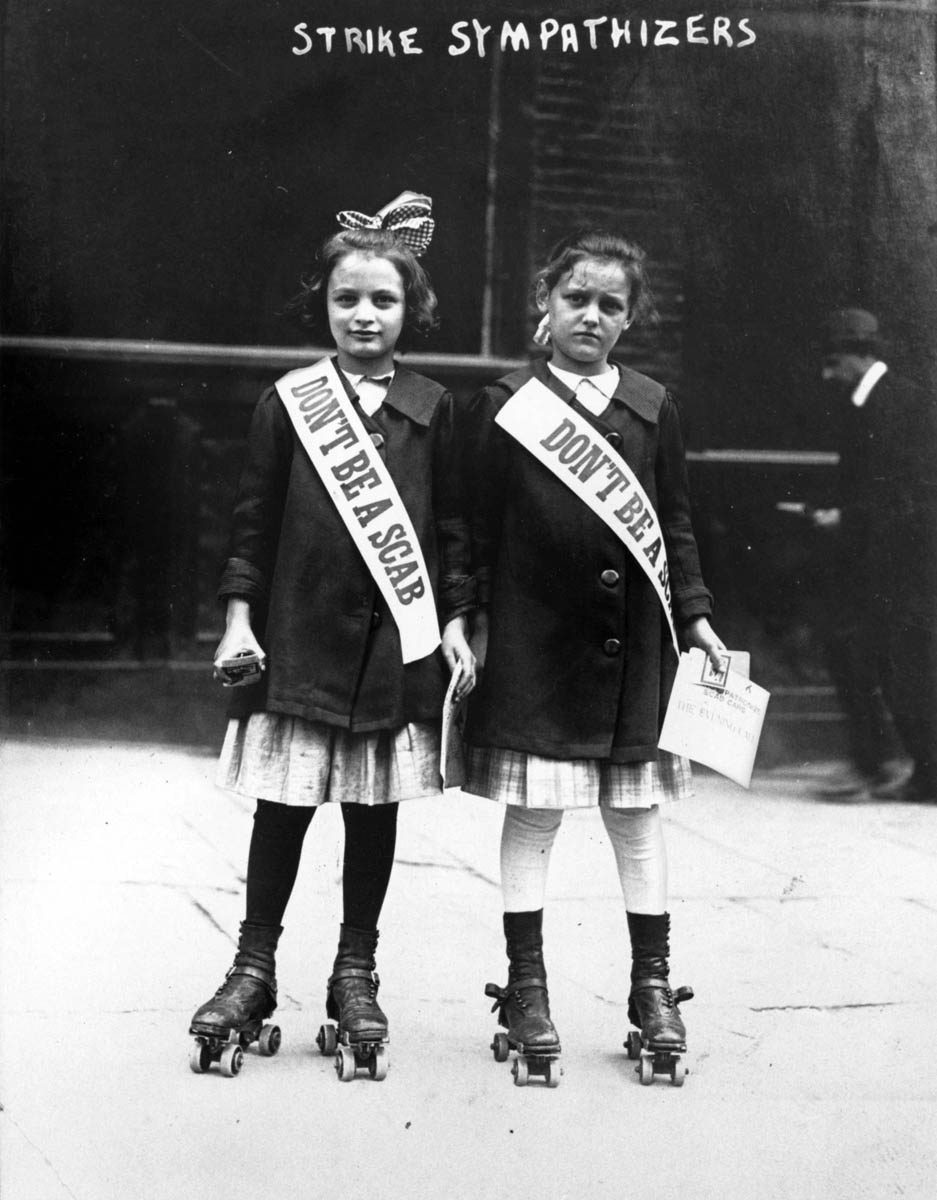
{"type": "Point", "coordinates": [348, 554]}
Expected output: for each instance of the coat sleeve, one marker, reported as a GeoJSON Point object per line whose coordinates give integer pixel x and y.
{"type": "Point", "coordinates": [457, 590]}
{"type": "Point", "coordinates": [691, 597]}
{"type": "Point", "coordinates": [258, 509]}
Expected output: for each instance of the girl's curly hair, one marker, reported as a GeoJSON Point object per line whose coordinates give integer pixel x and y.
{"type": "Point", "coordinates": [607, 247]}
{"type": "Point", "coordinates": [309, 305]}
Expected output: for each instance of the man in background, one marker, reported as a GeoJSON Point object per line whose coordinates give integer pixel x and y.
{"type": "Point", "coordinates": [884, 622]}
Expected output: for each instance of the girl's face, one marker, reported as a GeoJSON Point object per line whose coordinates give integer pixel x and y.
{"type": "Point", "coordinates": [366, 307]}
{"type": "Point", "coordinates": [589, 310]}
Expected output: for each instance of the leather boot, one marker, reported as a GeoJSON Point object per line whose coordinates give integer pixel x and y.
{"type": "Point", "coordinates": [351, 1000]}
{"type": "Point", "coordinates": [523, 1006]}
{"type": "Point", "coordinates": [249, 991]}
{"type": "Point", "coordinates": [652, 1006]}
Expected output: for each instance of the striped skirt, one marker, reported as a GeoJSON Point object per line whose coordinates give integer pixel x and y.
{"type": "Point", "coordinates": [513, 777]}
{"type": "Point", "coordinates": [287, 760]}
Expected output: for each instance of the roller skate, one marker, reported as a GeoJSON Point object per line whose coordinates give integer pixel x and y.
{"type": "Point", "coordinates": [358, 1039]}
{"type": "Point", "coordinates": [659, 1043]}
{"type": "Point", "coordinates": [523, 1006]}
{"type": "Point", "coordinates": [233, 1019]}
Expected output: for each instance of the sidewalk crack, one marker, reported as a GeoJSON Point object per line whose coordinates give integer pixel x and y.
{"type": "Point", "coordinates": [826, 1007]}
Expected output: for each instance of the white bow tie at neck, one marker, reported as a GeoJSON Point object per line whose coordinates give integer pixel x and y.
{"type": "Point", "coordinates": [371, 392]}
{"type": "Point", "coordinates": [592, 398]}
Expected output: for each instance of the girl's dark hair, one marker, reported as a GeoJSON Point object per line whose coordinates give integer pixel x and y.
{"type": "Point", "coordinates": [309, 305]}
{"type": "Point", "coordinates": [608, 247]}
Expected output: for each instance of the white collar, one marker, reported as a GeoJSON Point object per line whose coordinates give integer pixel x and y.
{"type": "Point", "coordinates": [868, 382]}
{"type": "Point", "coordinates": [383, 381]}
{"type": "Point", "coordinates": [606, 383]}
{"type": "Point", "coordinates": [371, 392]}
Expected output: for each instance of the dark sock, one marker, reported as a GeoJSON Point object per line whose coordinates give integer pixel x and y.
{"type": "Point", "coordinates": [273, 860]}
{"type": "Point", "coordinates": [370, 841]}
{"type": "Point", "coordinates": [523, 926]}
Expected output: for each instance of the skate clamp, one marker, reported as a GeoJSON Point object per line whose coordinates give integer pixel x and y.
{"type": "Point", "coordinates": [655, 1057]}
{"type": "Point", "coordinates": [350, 1057]}
{"type": "Point", "coordinates": [534, 1062]}
{"type": "Point", "coordinates": [226, 1047]}
{"type": "Point", "coordinates": [351, 1054]}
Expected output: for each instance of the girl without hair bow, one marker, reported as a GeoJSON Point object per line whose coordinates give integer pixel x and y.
{"type": "Point", "coordinates": [408, 217]}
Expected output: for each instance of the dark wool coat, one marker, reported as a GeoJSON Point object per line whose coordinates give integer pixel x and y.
{"type": "Point", "coordinates": [889, 502]}
{"type": "Point", "coordinates": [333, 651]}
{"type": "Point", "coordinates": [580, 662]}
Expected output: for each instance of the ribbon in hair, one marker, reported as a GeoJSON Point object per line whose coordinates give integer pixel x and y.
{"type": "Point", "coordinates": [407, 217]}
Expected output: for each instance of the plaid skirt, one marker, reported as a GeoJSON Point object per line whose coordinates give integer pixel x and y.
{"type": "Point", "coordinates": [272, 756]}
{"type": "Point", "coordinates": [513, 777]}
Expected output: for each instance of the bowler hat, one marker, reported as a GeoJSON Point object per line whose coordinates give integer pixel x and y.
{"type": "Point", "coordinates": [851, 329]}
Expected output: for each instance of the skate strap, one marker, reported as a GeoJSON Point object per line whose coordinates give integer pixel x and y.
{"type": "Point", "coordinates": [253, 973]}
{"type": "Point", "coordinates": [365, 496]}
{"type": "Point", "coordinates": [650, 981]}
{"type": "Point", "coordinates": [355, 973]}
{"type": "Point", "coordinates": [501, 995]}
{"type": "Point", "coordinates": [571, 447]}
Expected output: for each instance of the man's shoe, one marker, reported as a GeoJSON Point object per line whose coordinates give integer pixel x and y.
{"type": "Point", "coordinates": [851, 783]}
{"type": "Point", "coordinates": [891, 780]}
{"type": "Point", "coordinates": [912, 791]}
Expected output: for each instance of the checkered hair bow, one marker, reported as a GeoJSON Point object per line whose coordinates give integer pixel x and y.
{"type": "Point", "coordinates": [407, 217]}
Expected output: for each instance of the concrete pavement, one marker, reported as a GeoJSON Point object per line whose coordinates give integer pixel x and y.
{"type": "Point", "coordinates": [807, 930]}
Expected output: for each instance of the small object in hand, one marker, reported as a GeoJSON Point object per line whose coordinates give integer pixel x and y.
{"type": "Point", "coordinates": [244, 668]}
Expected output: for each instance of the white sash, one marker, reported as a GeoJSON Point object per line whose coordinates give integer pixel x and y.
{"type": "Point", "coordinates": [359, 484]}
{"type": "Point", "coordinates": [577, 454]}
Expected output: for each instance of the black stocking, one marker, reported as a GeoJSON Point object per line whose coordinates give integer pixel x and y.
{"type": "Point", "coordinates": [370, 840]}
{"type": "Point", "coordinates": [273, 860]}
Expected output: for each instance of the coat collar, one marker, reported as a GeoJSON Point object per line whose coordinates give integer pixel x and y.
{"type": "Point", "coordinates": [412, 395]}
{"type": "Point", "coordinates": [642, 395]}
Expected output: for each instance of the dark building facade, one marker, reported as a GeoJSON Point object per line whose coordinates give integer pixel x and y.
{"type": "Point", "coordinates": [166, 177]}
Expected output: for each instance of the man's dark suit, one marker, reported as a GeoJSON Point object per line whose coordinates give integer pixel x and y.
{"type": "Point", "coordinates": [889, 539]}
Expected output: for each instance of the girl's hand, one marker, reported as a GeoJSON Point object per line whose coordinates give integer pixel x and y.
{"type": "Point", "coordinates": [700, 633]}
{"type": "Point", "coordinates": [479, 638]}
{"type": "Point", "coordinates": [238, 637]}
{"type": "Point", "coordinates": [456, 650]}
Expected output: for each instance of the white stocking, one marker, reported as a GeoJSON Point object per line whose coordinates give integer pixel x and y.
{"type": "Point", "coordinates": [637, 837]}
{"type": "Point", "coordinates": [527, 838]}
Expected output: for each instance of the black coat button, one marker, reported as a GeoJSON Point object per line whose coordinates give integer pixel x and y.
{"type": "Point", "coordinates": [375, 620]}
{"type": "Point", "coordinates": [610, 577]}
{"type": "Point", "coordinates": [612, 647]}
{"type": "Point", "coordinates": [377, 439]}
{"type": "Point", "coordinates": [613, 438]}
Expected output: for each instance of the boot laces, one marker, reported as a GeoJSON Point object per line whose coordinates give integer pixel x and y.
{"type": "Point", "coordinates": [504, 995]}
{"type": "Point", "coordinates": [509, 994]}
{"type": "Point", "coordinates": [224, 983]}
{"type": "Point", "coordinates": [520, 999]}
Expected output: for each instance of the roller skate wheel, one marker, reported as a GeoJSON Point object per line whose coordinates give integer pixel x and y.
{"type": "Point", "coordinates": [633, 1044]}
{"type": "Point", "coordinates": [327, 1039]}
{"type": "Point", "coordinates": [646, 1069]}
{"type": "Point", "coordinates": [345, 1065]}
{"type": "Point", "coordinates": [270, 1040]}
{"type": "Point", "coordinates": [552, 1074]}
{"type": "Point", "coordinates": [232, 1059]}
{"type": "Point", "coordinates": [377, 1063]}
{"type": "Point", "coordinates": [520, 1072]}
{"type": "Point", "coordinates": [199, 1058]}
{"type": "Point", "coordinates": [500, 1047]}
{"type": "Point", "coordinates": [678, 1072]}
